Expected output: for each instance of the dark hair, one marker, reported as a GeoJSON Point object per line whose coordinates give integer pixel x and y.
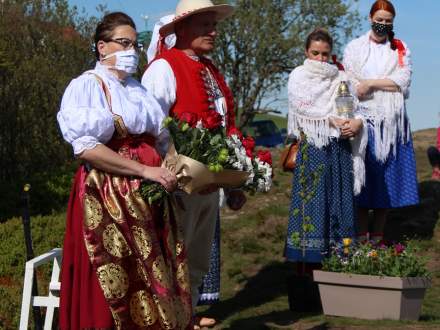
{"type": "Point", "coordinates": [387, 6]}
{"type": "Point", "coordinates": [319, 34]}
{"type": "Point", "coordinates": [105, 28]}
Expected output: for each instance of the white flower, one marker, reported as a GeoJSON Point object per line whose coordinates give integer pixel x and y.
{"type": "Point", "coordinates": [238, 166]}
{"type": "Point", "coordinates": [250, 179]}
{"type": "Point", "coordinates": [259, 173]}
{"type": "Point", "coordinates": [261, 185]}
{"type": "Point", "coordinates": [235, 139]}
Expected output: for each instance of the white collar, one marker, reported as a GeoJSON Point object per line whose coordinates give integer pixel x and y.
{"type": "Point", "coordinates": [104, 70]}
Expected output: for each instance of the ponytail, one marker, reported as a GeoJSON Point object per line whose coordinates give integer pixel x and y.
{"type": "Point", "coordinates": [392, 40]}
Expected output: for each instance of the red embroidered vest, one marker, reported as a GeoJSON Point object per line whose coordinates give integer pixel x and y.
{"type": "Point", "coordinates": [192, 92]}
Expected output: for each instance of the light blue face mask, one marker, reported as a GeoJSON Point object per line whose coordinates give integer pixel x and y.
{"type": "Point", "coordinates": [126, 60]}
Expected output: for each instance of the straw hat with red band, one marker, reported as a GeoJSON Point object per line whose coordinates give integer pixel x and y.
{"type": "Point", "coordinates": [186, 8]}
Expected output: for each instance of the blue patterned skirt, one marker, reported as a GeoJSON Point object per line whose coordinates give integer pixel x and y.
{"type": "Point", "coordinates": [210, 289]}
{"type": "Point", "coordinates": [391, 184]}
{"type": "Point", "coordinates": [330, 211]}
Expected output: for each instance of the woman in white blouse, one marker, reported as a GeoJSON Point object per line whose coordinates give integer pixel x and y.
{"type": "Point", "coordinates": [124, 263]}
{"type": "Point", "coordinates": [379, 65]}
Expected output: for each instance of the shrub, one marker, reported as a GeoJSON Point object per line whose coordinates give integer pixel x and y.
{"type": "Point", "coordinates": [49, 192]}
{"type": "Point", "coordinates": [47, 233]}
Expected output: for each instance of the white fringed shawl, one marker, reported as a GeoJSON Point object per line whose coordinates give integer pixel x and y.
{"type": "Point", "coordinates": [312, 91]}
{"type": "Point", "coordinates": [384, 110]}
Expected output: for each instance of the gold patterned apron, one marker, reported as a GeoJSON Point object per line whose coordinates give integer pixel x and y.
{"type": "Point", "coordinates": [137, 251]}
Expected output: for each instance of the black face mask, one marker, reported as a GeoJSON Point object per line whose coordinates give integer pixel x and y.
{"type": "Point", "coordinates": [381, 29]}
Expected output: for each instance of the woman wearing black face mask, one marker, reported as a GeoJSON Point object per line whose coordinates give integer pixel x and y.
{"type": "Point", "coordinates": [379, 65]}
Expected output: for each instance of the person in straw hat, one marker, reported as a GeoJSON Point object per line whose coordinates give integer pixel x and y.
{"type": "Point", "coordinates": [184, 80]}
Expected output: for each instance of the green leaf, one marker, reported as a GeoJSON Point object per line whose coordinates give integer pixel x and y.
{"type": "Point", "coordinates": [295, 238]}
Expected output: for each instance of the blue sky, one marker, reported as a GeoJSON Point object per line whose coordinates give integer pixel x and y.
{"type": "Point", "coordinates": [417, 23]}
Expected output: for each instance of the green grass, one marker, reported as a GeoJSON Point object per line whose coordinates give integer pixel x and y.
{"type": "Point", "coordinates": [253, 269]}
{"type": "Point", "coordinates": [254, 278]}
{"type": "Point", "coordinates": [254, 272]}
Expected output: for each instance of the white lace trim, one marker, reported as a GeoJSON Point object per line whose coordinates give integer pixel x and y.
{"type": "Point", "coordinates": [209, 296]}
{"type": "Point", "coordinates": [84, 143]}
{"type": "Point", "coordinates": [358, 149]}
{"type": "Point", "coordinates": [386, 114]}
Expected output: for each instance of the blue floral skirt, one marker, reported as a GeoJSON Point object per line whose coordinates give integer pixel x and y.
{"type": "Point", "coordinates": [330, 211]}
{"type": "Point", "coordinates": [391, 184]}
{"type": "Point", "coordinates": [210, 288]}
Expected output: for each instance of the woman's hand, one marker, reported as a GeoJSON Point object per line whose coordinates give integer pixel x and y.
{"type": "Point", "coordinates": [106, 159]}
{"type": "Point", "coordinates": [339, 122]}
{"type": "Point", "coordinates": [351, 128]}
{"type": "Point", "coordinates": [161, 175]}
{"type": "Point", "coordinates": [364, 89]}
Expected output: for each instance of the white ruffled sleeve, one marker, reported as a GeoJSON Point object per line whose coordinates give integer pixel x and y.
{"type": "Point", "coordinates": [402, 76]}
{"type": "Point", "coordinates": [84, 118]}
{"type": "Point", "coordinates": [155, 119]}
{"type": "Point", "coordinates": [159, 80]}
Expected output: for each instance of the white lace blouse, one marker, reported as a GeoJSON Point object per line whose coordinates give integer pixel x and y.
{"type": "Point", "coordinates": [85, 118]}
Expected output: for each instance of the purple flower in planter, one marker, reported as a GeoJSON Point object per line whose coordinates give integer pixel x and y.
{"type": "Point", "coordinates": [382, 245]}
{"type": "Point", "coordinates": [399, 248]}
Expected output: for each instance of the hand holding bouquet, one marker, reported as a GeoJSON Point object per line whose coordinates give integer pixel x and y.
{"type": "Point", "coordinates": [204, 155]}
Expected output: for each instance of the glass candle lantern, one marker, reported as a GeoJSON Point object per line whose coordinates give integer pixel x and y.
{"type": "Point", "coordinates": [344, 101]}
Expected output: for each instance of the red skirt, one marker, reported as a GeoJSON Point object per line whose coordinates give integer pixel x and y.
{"type": "Point", "coordinates": [124, 263]}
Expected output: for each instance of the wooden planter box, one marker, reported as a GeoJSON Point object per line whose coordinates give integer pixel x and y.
{"type": "Point", "coordinates": [371, 297]}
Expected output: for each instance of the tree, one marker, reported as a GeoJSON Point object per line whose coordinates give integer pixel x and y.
{"type": "Point", "coordinates": [264, 41]}
{"type": "Point", "coordinates": [43, 45]}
